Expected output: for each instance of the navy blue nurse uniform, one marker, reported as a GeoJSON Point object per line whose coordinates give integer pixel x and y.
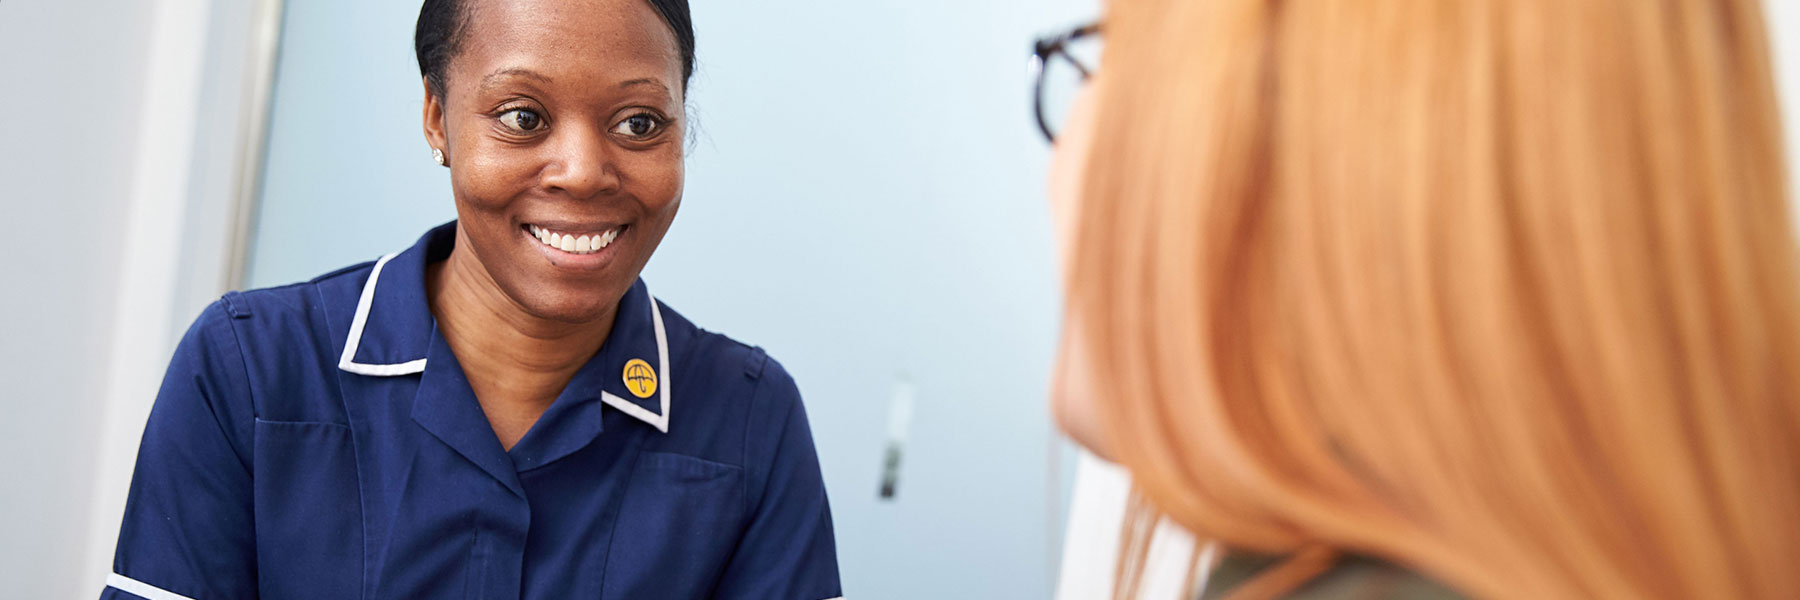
{"type": "Point", "coordinates": [319, 440]}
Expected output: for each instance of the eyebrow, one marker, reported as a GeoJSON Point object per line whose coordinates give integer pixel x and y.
{"type": "Point", "coordinates": [514, 72]}
{"type": "Point", "coordinates": [645, 81]}
{"type": "Point", "coordinates": [545, 79]}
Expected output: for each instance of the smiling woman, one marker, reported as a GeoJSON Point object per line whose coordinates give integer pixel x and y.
{"type": "Point", "coordinates": [493, 412]}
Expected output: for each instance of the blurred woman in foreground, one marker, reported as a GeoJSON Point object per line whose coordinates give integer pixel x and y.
{"type": "Point", "coordinates": [1498, 295]}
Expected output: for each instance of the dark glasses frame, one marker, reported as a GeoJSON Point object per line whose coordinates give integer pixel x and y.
{"type": "Point", "coordinates": [1051, 48]}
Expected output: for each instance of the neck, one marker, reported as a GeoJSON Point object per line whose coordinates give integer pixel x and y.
{"type": "Point", "coordinates": [509, 355]}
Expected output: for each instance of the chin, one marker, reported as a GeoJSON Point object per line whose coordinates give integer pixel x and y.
{"type": "Point", "coordinates": [573, 309]}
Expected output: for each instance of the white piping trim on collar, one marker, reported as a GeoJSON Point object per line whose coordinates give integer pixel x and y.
{"type": "Point", "coordinates": [141, 589]}
{"type": "Point", "coordinates": [348, 361]}
{"type": "Point", "coordinates": [660, 422]}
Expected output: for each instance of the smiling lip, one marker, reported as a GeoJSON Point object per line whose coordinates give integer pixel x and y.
{"type": "Point", "coordinates": [575, 243]}
{"type": "Point", "coordinates": [575, 246]}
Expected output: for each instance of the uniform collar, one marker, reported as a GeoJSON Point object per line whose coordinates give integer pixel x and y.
{"type": "Point", "coordinates": [391, 335]}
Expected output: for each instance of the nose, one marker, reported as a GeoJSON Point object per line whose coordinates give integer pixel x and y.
{"type": "Point", "coordinates": [581, 164]}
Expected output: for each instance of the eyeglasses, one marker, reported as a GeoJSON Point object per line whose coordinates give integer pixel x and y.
{"type": "Point", "coordinates": [1059, 66]}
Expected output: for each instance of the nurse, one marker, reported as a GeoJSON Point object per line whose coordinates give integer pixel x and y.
{"type": "Point", "coordinates": [501, 410]}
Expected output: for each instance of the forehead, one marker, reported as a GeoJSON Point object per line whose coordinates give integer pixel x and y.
{"type": "Point", "coordinates": [585, 40]}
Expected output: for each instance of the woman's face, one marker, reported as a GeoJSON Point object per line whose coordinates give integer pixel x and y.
{"type": "Point", "coordinates": [560, 124]}
{"type": "Point", "coordinates": [1072, 399]}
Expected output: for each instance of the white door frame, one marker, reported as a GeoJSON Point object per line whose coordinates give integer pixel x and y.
{"type": "Point", "coordinates": [173, 249]}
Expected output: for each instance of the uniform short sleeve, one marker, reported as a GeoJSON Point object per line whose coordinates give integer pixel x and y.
{"type": "Point", "coordinates": [788, 550]}
{"type": "Point", "coordinates": [188, 530]}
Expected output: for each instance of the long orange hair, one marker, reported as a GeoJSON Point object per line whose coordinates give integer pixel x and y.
{"type": "Point", "coordinates": [1503, 291]}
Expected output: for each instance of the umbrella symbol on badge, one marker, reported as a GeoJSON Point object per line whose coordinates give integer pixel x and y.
{"type": "Point", "coordinates": [640, 378]}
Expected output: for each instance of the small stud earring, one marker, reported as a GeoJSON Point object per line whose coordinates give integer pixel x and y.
{"type": "Point", "coordinates": [437, 155]}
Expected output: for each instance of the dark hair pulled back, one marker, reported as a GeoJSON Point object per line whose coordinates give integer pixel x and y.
{"type": "Point", "coordinates": [438, 36]}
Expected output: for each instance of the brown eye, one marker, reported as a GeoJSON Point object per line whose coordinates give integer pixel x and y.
{"type": "Point", "coordinates": [638, 126]}
{"type": "Point", "coordinates": [521, 120]}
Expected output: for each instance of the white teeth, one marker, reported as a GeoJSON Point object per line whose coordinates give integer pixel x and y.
{"type": "Point", "coordinates": [585, 244]}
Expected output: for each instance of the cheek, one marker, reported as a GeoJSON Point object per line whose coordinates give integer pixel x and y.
{"type": "Point", "coordinates": [1073, 398]}
{"type": "Point", "coordinates": [656, 178]}
{"type": "Point", "coordinates": [486, 177]}
{"type": "Point", "coordinates": [1068, 164]}
{"type": "Point", "coordinates": [1065, 184]}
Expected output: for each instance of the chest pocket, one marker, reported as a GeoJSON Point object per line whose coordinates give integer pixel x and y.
{"type": "Point", "coordinates": [308, 511]}
{"type": "Point", "coordinates": [678, 526]}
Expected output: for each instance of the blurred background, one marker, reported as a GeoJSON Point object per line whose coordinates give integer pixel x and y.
{"type": "Point", "coordinates": [864, 199]}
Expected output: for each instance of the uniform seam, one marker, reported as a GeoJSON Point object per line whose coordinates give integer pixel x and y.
{"type": "Point", "coordinates": [775, 457]}
{"type": "Point", "coordinates": [612, 537]}
{"type": "Point", "coordinates": [362, 504]}
{"type": "Point", "coordinates": [756, 360]}
{"type": "Point", "coordinates": [249, 466]}
{"type": "Point", "coordinates": [362, 500]}
{"type": "Point", "coordinates": [744, 456]}
{"type": "Point", "coordinates": [281, 422]}
{"type": "Point", "coordinates": [699, 459]}
{"type": "Point", "coordinates": [756, 363]}
{"type": "Point", "coordinates": [337, 381]}
{"type": "Point", "coordinates": [249, 394]}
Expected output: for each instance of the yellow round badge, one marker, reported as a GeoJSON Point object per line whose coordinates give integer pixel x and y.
{"type": "Point", "coordinates": [640, 378]}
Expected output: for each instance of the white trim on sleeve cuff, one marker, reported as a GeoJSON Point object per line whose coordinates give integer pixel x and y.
{"type": "Point", "coordinates": [141, 589]}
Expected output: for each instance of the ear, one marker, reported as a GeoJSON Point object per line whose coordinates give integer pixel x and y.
{"type": "Point", "coordinates": [434, 120]}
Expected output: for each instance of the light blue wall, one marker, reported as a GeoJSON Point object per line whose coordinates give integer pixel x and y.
{"type": "Point", "coordinates": [864, 199]}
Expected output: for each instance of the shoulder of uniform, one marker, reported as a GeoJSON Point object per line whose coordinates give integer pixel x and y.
{"type": "Point", "coordinates": [722, 353]}
{"type": "Point", "coordinates": [720, 359]}
{"type": "Point", "coordinates": [696, 348]}
{"type": "Point", "coordinates": [288, 339]}
{"type": "Point", "coordinates": [284, 299]}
